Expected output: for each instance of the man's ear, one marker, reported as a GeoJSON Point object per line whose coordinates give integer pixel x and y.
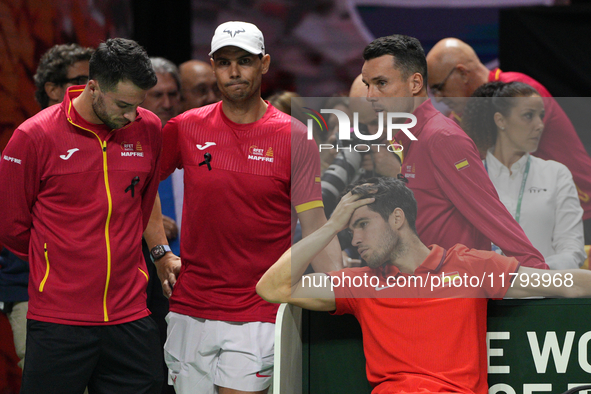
{"type": "Point", "coordinates": [416, 83]}
{"type": "Point", "coordinates": [266, 62]}
{"type": "Point", "coordinates": [464, 72]}
{"type": "Point", "coordinates": [397, 219]}
{"type": "Point", "coordinates": [54, 91]}
{"type": "Point", "coordinates": [93, 86]}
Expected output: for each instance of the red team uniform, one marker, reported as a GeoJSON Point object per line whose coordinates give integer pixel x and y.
{"type": "Point", "coordinates": [66, 207]}
{"type": "Point", "coordinates": [457, 202]}
{"type": "Point", "coordinates": [238, 217]}
{"type": "Point", "coordinates": [402, 335]}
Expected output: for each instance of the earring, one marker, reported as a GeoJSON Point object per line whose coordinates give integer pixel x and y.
{"type": "Point", "coordinates": [502, 128]}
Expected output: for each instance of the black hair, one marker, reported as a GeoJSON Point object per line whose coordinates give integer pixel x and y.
{"type": "Point", "coordinates": [390, 193]}
{"type": "Point", "coordinates": [409, 56]}
{"type": "Point", "coordinates": [478, 118]}
{"type": "Point", "coordinates": [120, 59]}
{"type": "Point", "coordinates": [53, 67]}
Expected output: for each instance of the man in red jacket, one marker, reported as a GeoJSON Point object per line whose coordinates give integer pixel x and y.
{"type": "Point", "coordinates": [455, 71]}
{"type": "Point", "coordinates": [457, 201]}
{"type": "Point", "coordinates": [79, 182]}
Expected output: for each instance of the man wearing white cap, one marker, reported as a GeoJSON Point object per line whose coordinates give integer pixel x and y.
{"type": "Point", "coordinates": [244, 188]}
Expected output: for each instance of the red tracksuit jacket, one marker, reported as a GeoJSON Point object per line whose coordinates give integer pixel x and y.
{"type": "Point", "coordinates": [68, 205]}
{"type": "Point", "coordinates": [456, 201]}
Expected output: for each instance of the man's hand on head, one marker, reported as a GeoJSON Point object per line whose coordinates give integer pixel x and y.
{"type": "Point", "coordinates": [168, 268]}
{"type": "Point", "coordinates": [342, 213]}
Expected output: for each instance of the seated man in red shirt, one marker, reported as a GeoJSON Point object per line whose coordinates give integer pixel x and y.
{"type": "Point", "coordinates": [421, 289]}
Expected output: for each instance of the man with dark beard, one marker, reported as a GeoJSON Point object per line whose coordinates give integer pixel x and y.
{"type": "Point", "coordinates": [79, 182]}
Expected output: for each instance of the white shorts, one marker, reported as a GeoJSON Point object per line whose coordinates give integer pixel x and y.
{"type": "Point", "coordinates": [202, 354]}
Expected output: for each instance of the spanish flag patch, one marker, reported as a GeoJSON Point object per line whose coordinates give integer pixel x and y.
{"type": "Point", "coordinates": [460, 165]}
{"type": "Point", "coordinates": [450, 276]}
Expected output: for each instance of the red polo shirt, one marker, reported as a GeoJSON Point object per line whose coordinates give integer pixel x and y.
{"type": "Point", "coordinates": [238, 216]}
{"type": "Point", "coordinates": [457, 202]}
{"type": "Point", "coordinates": [416, 345]}
{"type": "Point", "coordinates": [560, 141]}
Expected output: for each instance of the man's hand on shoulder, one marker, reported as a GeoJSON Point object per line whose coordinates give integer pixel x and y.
{"type": "Point", "coordinates": [168, 268]}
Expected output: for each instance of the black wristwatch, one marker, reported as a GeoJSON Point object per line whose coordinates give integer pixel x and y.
{"type": "Point", "coordinates": [159, 251]}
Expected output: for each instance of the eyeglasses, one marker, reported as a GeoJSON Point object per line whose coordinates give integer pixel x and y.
{"type": "Point", "coordinates": [438, 87]}
{"type": "Point", "coordinates": [79, 80]}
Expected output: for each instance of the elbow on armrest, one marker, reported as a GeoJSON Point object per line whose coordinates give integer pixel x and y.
{"type": "Point", "coordinates": [269, 294]}
{"type": "Point", "coordinates": [262, 291]}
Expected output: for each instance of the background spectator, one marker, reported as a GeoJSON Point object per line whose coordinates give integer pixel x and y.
{"type": "Point", "coordinates": [506, 123]}
{"type": "Point", "coordinates": [198, 85]}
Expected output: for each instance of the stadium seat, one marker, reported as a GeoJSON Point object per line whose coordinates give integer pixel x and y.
{"type": "Point", "coordinates": [287, 375]}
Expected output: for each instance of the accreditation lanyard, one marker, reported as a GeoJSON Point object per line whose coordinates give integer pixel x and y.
{"type": "Point", "coordinates": [525, 174]}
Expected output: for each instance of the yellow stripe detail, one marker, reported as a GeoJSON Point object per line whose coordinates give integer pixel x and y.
{"type": "Point", "coordinates": [461, 165]}
{"type": "Point", "coordinates": [309, 205]}
{"type": "Point", "coordinates": [397, 150]}
{"type": "Point", "coordinates": [497, 74]}
{"type": "Point", "coordinates": [103, 145]}
{"type": "Point", "coordinates": [146, 275]}
{"type": "Point", "coordinates": [42, 285]}
{"type": "Point", "coordinates": [585, 265]}
{"type": "Point", "coordinates": [582, 195]}
{"type": "Point", "coordinates": [107, 228]}
{"type": "Point", "coordinates": [317, 179]}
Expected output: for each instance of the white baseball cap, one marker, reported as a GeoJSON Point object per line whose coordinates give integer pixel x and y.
{"type": "Point", "coordinates": [239, 34]}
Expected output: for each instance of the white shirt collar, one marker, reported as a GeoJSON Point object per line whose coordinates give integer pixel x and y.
{"type": "Point", "coordinates": [496, 168]}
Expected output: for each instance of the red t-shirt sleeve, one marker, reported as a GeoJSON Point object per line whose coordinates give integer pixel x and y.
{"type": "Point", "coordinates": [151, 186]}
{"type": "Point", "coordinates": [460, 174]}
{"type": "Point", "coordinates": [306, 192]}
{"type": "Point", "coordinates": [502, 267]}
{"type": "Point", "coordinates": [20, 180]}
{"type": "Point", "coordinates": [171, 152]}
{"type": "Point", "coordinates": [492, 268]}
{"type": "Point", "coordinates": [345, 301]}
